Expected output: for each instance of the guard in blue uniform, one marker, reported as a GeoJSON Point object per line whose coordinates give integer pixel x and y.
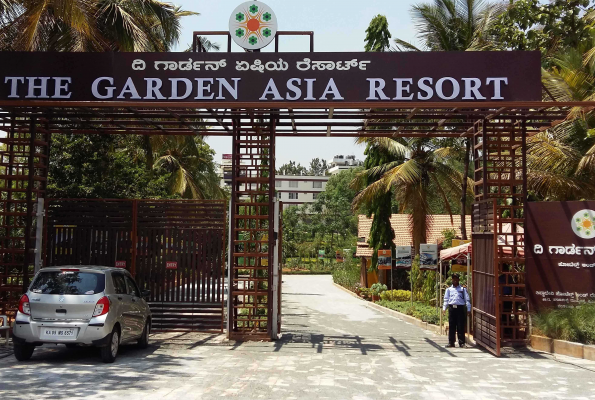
{"type": "Point", "coordinates": [456, 299]}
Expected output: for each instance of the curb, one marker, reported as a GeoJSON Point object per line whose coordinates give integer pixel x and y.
{"type": "Point", "coordinates": [407, 318]}
{"type": "Point", "coordinates": [562, 347]}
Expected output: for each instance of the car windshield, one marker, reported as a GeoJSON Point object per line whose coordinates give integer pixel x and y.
{"type": "Point", "coordinates": [68, 282]}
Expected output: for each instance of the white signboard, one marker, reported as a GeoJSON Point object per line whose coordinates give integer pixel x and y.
{"type": "Point", "coordinates": [428, 256]}
{"type": "Point", "coordinates": [403, 257]}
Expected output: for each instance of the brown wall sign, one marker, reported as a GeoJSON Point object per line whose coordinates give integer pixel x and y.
{"type": "Point", "coordinates": [271, 77]}
{"type": "Point", "coordinates": [560, 253]}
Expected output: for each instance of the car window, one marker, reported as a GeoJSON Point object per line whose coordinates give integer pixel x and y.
{"type": "Point", "coordinates": [68, 282]}
{"type": "Point", "coordinates": [119, 283]}
{"type": "Point", "coordinates": [132, 289]}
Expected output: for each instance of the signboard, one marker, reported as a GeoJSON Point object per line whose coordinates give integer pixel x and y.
{"type": "Point", "coordinates": [321, 254]}
{"type": "Point", "coordinates": [120, 264]}
{"type": "Point", "coordinates": [403, 258]}
{"type": "Point", "coordinates": [560, 254]}
{"type": "Point", "coordinates": [253, 25]}
{"type": "Point", "coordinates": [458, 268]}
{"type": "Point", "coordinates": [266, 79]}
{"type": "Point", "coordinates": [227, 156]}
{"type": "Point", "coordinates": [459, 242]}
{"type": "Point", "coordinates": [385, 259]}
{"type": "Point", "coordinates": [428, 256]}
{"type": "Point", "coordinates": [171, 265]}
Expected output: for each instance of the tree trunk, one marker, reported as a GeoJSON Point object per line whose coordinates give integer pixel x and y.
{"type": "Point", "coordinates": [464, 191]}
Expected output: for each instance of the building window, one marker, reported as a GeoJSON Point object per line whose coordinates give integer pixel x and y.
{"type": "Point", "coordinates": [293, 184]}
{"type": "Point", "coordinates": [278, 183]}
{"type": "Point", "coordinates": [315, 196]}
{"type": "Point", "coordinates": [317, 184]}
{"type": "Point", "coordinates": [293, 196]}
{"type": "Point", "coordinates": [279, 195]}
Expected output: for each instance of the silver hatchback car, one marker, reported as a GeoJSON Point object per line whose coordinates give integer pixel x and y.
{"type": "Point", "coordinates": [81, 305]}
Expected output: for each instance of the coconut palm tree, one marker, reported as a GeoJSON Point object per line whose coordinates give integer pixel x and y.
{"type": "Point", "coordinates": [561, 161]}
{"type": "Point", "coordinates": [188, 159]}
{"type": "Point", "coordinates": [415, 167]}
{"type": "Point", "coordinates": [90, 25]}
{"type": "Point", "coordinates": [453, 25]}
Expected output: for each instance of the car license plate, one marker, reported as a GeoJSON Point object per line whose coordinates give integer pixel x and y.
{"type": "Point", "coordinates": [58, 333]}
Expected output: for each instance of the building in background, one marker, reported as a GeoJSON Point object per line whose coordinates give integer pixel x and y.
{"type": "Point", "coordinates": [341, 163]}
{"type": "Point", "coordinates": [225, 170]}
{"type": "Point", "coordinates": [295, 190]}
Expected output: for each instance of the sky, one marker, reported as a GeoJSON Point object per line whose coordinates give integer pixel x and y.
{"type": "Point", "coordinates": [338, 26]}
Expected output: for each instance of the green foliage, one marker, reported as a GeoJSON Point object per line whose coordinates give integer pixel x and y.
{"type": "Point", "coordinates": [453, 25]}
{"type": "Point", "coordinates": [449, 235]}
{"type": "Point", "coordinates": [420, 311]}
{"type": "Point", "coordinates": [396, 295]}
{"type": "Point", "coordinates": [423, 283]}
{"type": "Point", "coordinates": [377, 35]}
{"type": "Point", "coordinates": [543, 26]}
{"type": "Point", "coordinates": [328, 224]}
{"type": "Point", "coordinates": [571, 324]}
{"type": "Point", "coordinates": [121, 166]}
{"type": "Point", "coordinates": [347, 274]}
{"type": "Point", "coordinates": [292, 168]}
{"type": "Point", "coordinates": [95, 166]}
{"type": "Point", "coordinates": [90, 25]}
{"type": "Point", "coordinates": [377, 288]}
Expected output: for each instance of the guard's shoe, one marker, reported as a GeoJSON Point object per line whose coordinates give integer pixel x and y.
{"type": "Point", "coordinates": [462, 346]}
{"type": "Point", "coordinates": [449, 345]}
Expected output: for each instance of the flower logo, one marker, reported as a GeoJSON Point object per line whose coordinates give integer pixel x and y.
{"type": "Point", "coordinates": [253, 25]}
{"type": "Point", "coordinates": [583, 224]}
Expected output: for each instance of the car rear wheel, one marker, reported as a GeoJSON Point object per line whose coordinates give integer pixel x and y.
{"type": "Point", "coordinates": [143, 342]}
{"type": "Point", "coordinates": [23, 351]}
{"type": "Point", "coordinates": [109, 352]}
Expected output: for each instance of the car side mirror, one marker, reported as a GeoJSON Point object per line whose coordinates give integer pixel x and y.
{"type": "Point", "coordinates": [145, 294]}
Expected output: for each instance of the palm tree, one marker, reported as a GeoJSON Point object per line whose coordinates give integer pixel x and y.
{"type": "Point", "coordinates": [453, 25]}
{"type": "Point", "coordinates": [561, 161]}
{"type": "Point", "coordinates": [188, 160]}
{"type": "Point", "coordinates": [90, 25]}
{"type": "Point", "coordinates": [456, 25]}
{"type": "Point", "coordinates": [416, 167]}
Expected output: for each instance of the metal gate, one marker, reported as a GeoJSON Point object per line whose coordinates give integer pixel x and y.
{"type": "Point", "coordinates": [174, 248]}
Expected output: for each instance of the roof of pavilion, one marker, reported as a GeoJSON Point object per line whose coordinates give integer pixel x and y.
{"type": "Point", "coordinates": [304, 119]}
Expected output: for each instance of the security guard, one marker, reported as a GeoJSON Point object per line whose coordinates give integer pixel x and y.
{"type": "Point", "coordinates": [456, 298]}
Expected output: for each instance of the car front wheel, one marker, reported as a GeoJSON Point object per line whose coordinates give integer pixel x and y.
{"type": "Point", "coordinates": [23, 351]}
{"type": "Point", "coordinates": [109, 352]}
{"type": "Point", "coordinates": [143, 342]}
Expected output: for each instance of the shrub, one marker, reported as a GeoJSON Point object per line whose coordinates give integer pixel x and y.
{"type": "Point", "coordinates": [571, 324]}
{"type": "Point", "coordinates": [347, 274]}
{"type": "Point", "coordinates": [396, 295]}
{"type": "Point", "coordinates": [378, 288]}
{"type": "Point", "coordinates": [421, 311]}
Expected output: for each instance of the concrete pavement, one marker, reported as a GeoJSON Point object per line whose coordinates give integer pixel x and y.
{"type": "Point", "coordinates": [333, 347]}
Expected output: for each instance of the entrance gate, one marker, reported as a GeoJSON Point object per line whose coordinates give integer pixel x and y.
{"type": "Point", "coordinates": [174, 248]}
{"type": "Point", "coordinates": [492, 98]}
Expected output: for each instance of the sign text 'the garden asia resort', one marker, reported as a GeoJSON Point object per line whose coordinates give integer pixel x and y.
{"type": "Point", "coordinates": [258, 78]}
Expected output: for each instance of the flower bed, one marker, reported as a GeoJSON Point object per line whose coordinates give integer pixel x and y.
{"type": "Point", "coordinates": [418, 310]}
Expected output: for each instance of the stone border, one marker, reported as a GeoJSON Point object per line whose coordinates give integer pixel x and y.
{"type": "Point", "coordinates": [570, 349]}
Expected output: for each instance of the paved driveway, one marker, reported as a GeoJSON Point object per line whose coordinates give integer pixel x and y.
{"type": "Point", "coordinates": [334, 347]}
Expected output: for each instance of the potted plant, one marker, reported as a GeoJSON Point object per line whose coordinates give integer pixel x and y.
{"type": "Point", "coordinates": [376, 289]}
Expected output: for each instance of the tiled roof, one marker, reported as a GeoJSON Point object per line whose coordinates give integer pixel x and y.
{"type": "Point", "coordinates": [400, 224]}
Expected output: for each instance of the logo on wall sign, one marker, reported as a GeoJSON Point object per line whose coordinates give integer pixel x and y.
{"type": "Point", "coordinates": [583, 224]}
{"type": "Point", "coordinates": [253, 25]}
